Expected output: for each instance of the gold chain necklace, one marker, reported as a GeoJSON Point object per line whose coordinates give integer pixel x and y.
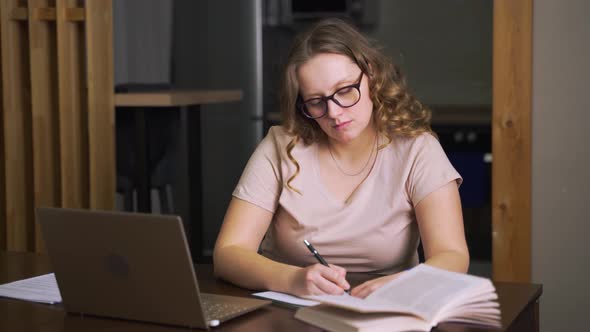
{"type": "Point", "coordinates": [362, 169]}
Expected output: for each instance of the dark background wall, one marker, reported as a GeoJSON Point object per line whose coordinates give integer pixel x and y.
{"type": "Point", "coordinates": [216, 46]}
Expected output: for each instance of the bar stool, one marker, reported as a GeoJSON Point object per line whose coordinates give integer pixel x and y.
{"type": "Point", "coordinates": [161, 152]}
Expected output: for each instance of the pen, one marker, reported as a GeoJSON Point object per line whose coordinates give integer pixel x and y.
{"type": "Point", "coordinates": [318, 257]}
{"type": "Point", "coordinates": [315, 253]}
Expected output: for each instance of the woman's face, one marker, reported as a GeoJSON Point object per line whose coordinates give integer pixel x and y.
{"type": "Point", "coordinates": [321, 76]}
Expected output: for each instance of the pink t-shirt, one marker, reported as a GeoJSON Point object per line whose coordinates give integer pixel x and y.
{"type": "Point", "coordinates": [376, 231]}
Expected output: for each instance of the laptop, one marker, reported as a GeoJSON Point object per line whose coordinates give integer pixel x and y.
{"type": "Point", "coordinates": [131, 266]}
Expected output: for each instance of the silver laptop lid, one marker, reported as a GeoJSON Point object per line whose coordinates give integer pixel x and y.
{"type": "Point", "coordinates": [122, 265]}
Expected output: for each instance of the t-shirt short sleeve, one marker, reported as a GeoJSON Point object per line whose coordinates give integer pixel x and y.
{"type": "Point", "coordinates": [431, 168]}
{"type": "Point", "coordinates": [261, 183]}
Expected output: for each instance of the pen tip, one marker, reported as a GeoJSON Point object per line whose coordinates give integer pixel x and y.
{"type": "Point", "coordinates": [305, 241]}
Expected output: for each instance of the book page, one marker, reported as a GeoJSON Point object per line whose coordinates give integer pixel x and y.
{"type": "Point", "coordinates": [41, 289]}
{"type": "Point", "coordinates": [357, 304]}
{"type": "Point", "coordinates": [426, 291]}
{"type": "Point", "coordinates": [336, 319]}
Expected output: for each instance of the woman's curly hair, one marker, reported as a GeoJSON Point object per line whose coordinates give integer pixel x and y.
{"type": "Point", "coordinates": [395, 111]}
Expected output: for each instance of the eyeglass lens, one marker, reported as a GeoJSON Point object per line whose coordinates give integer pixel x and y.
{"type": "Point", "coordinates": [344, 97]}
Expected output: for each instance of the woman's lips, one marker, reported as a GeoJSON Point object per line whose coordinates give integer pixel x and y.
{"type": "Point", "coordinates": [342, 125]}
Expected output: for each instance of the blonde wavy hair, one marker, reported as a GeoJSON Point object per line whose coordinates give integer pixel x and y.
{"type": "Point", "coordinates": [395, 111]}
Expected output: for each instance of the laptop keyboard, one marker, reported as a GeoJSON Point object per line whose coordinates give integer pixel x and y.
{"type": "Point", "coordinates": [220, 310]}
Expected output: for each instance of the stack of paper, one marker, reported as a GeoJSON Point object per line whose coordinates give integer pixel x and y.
{"type": "Point", "coordinates": [41, 289]}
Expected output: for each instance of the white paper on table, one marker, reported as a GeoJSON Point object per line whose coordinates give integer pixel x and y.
{"type": "Point", "coordinates": [41, 289]}
{"type": "Point", "coordinates": [286, 298]}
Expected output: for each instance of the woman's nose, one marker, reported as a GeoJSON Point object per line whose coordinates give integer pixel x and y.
{"type": "Point", "coordinates": [334, 110]}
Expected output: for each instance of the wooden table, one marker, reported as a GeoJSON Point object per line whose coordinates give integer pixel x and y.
{"type": "Point", "coordinates": [518, 302]}
{"type": "Point", "coordinates": [188, 103]}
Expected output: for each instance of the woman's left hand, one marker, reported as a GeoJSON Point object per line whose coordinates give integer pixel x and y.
{"type": "Point", "coordinates": [363, 290]}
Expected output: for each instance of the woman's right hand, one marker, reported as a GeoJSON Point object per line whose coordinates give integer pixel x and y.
{"type": "Point", "coordinates": [319, 279]}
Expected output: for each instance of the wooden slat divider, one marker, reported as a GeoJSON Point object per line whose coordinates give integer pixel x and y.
{"type": "Point", "coordinates": [72, 114]}
{"type": "Point", "coordinates": [17, 161]}
{"type": "Point", "coordinates": [511, 140]}
{"type": "Point", "coordinates": [57, 120]}
{"type": "Point", "coordinates": [42, 40]}
{"type": "Point", "coordinates": [101, 117]}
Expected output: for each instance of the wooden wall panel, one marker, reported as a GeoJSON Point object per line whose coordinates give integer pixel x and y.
{"type": "Point", "coordinates": [17, 131]}
{"type": "Point", "coordinates": [101, 118]}
{"type": "Point", "coordinates": [511, 140]}
{"type": "Point", "coordinates": [73, 136]}
{"type": "Point", "coordinates": [57, 123]}
{"type": "Point", "coordinates": [2, 179]}
{"type": "Point", "coordinates": [42, 40]}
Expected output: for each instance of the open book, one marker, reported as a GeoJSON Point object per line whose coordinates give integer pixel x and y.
{"type": "Point", "coordinates": [416, 301]}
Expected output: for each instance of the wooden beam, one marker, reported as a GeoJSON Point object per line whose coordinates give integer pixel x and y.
{"type": "Point", "coordinates": [73, 118]}
{"type": "Point", "coordinates": [49, 14]}
{"type": "Point", "coordinates": [19, 13]}
{"type": "Point", "coordinates": [42, 40]}
{"type": "Point", "coordinates": [2, 159]}
{"type": "Point", "coordinates": [75, 14]}
{"type": "Point", "coordinates": [41, 13]}
{"type": "Point", "coordinates": [18, 152]}
{"type": "Point", "coordinates": [511, 140]}
{"type": "Point", "coordinates": [101, 119]}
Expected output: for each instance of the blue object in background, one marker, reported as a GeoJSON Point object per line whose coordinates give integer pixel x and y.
{"type": "Point", "coordinates": [476, 188]}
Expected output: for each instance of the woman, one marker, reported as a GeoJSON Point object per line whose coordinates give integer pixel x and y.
{"type": "Point", "coordinates": [354, 169]}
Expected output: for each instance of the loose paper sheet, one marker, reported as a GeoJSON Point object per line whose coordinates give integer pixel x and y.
{"type": "Point", "coordinates": [42, 289]}
{"type": "Point", "coordinates": [286, 298]}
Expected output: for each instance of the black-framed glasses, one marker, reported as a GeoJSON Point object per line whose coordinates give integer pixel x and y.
{"type": "Point", "coordinates": [346, 96]}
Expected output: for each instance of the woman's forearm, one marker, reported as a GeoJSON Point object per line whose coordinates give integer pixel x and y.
{"type": "Point", "coordinates": [250, 270]}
